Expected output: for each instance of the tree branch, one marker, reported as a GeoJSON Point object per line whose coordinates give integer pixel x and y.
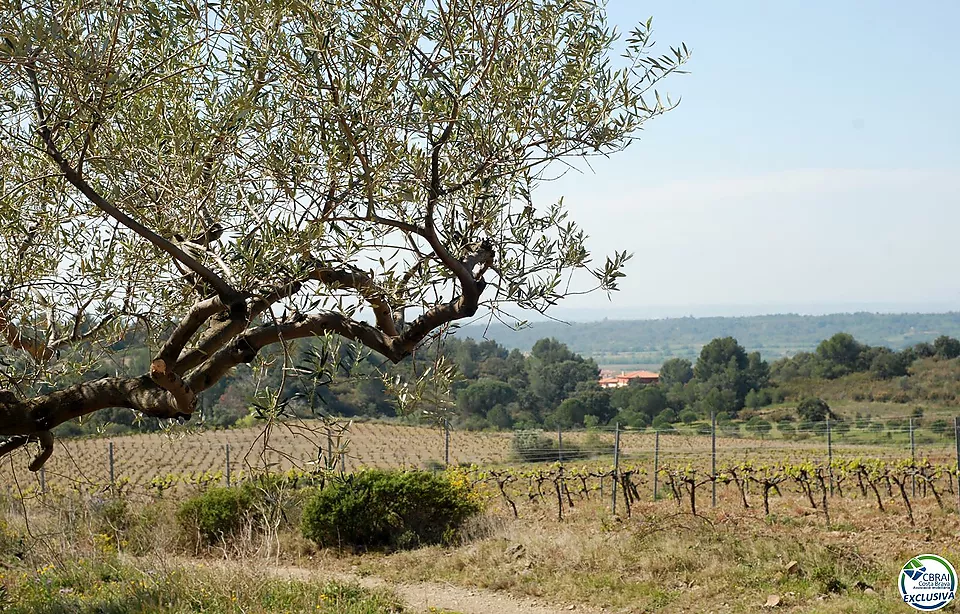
{"type": "Point", "coordinates": [188, 327]}
{"type": "Point", "coordinates": [246, 346]}
{"type": "Point", "coordinates": [15, 339]}
{"type": "Point", "coordinates": [368, 289]}
{"type": "Point", "coordinates": [164, 393]}
{"type": "Point", "coordinates": [226, 292]}
{"type": "Point", "coordinates": [76, 335]}
{"type": "Point", "coordinates": [31, 420]}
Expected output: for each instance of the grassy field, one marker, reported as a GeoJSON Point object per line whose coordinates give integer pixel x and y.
{"type": "Point", "coordinates": [547, 534]}
{"type": "Point", "coordinates": [664, 559]}
{"type": "Point", "coordinates": [75, 553]}
{"type": "Point", "coordinates": [106, 584]}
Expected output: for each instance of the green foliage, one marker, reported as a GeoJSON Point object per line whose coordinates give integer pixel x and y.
{"type": "Point", "coordinates": [717, 401]}
{"type": "Point", "coordinates": [814, 410]}
{"type": "Point", "coordinates": [725, 369]}
{"type": "Point", "coordinates": [534, 446]}
{"type": "Point", "coordinates": [759, 426]}
{"type": "Point", "coordinates": [842, 355]}
{"type": "Point", "coordinates": [888, 365]}
{"type": "Point", "coordinates": [718, 358]}
{"type": "Point", "coordinates": [676, 371]}
{"type": "Point", "coordinates": [553, 382]}
{"type": "Point", "coordinates": [215, 514]}
{"type": "Point", "coordinates": [550, 351]}
{"type": "Point", "coordinates": [505, 389]}
{"type": "Point", "coordinates": [502, 389]}
{"type": "Point", "coordinates": [499, 417]}
{"type": "Point", "coordinates": [756, 399]}
{"type": "Point", "coordinates": [652, 342]}
{"type": "Point", "coordinates": [482, 395]}
{"type": "Point", "coordinates": [645, 402]}
{"type": "Point", "coordinates": [946, 347]}
{"type": "Point", "coordinates": [358, 135]}
{"type": "Point", "coordinates": [588, 402]}
{"type": "Point", "coordinates": [571, 412]}
{"type": "Point", "coordinates": [839, 355]}
{"type": "Point", "coordinates": [394, 509]}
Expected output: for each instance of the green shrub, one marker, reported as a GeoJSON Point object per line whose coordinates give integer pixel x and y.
{"type": "Point", "coordinates": [216, 513]}
{"type": "Point", "coordinates": [397, 509]}
{"type": "Point", "coordinates": [535, 447]}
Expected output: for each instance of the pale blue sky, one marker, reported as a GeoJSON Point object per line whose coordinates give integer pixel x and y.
{"type": "Point", "coordinates": [814, 160]}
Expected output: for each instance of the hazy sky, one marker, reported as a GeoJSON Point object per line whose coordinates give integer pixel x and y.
{"type": "Point", "coordinates": [814, 160]}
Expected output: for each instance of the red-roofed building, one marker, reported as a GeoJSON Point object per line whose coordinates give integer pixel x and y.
{"type": "Point", "coordinates": [624, 379]}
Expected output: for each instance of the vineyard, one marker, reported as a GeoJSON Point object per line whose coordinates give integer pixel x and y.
{"type": "Point", "coordinates": [567, 512]}
{"type": "Point", "coordinates": [139, 460]}
{"type": "Point", "coordinates": [563, 488]}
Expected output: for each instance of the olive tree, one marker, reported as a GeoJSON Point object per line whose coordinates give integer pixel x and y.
{"type": "Point", "coordinates": [223, 177]}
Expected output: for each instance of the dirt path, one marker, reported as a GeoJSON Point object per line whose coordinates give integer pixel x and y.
{"type": "Point", "coordinates": [422, 596]}
{"type": "Point", "coordinates": [419, 596]}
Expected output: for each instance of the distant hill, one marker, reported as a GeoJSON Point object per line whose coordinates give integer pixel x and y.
{"type": "Point", "coordinates": [647, 343]}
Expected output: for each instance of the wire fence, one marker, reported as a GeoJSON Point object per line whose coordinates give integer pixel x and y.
{"type": "Point", "coordinates": [148, 461]}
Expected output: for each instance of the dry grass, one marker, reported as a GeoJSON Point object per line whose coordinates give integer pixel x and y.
{"type": "Point", "coordinates": [726, 560]}
{"type": "Point", "coordinates": [662, 559]}
{"type": "Point", "coordinates": [110, 585]}
{"type": "Point", "coordinates": [78, 555]}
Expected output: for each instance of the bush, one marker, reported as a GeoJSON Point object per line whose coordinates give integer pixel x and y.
{"type": "Point", "coordinates": [397, 509]}
{"type": "Point", "coordinates": [759, 426]}
{"type": "Point", "coordinates": [812, 409]}
{"type": "Point", "coordinates": [535, 447]}
{"type": "Point", "coordinates": [758, 398]}
{"type": "Point", "coordinates": [111, 514]}
{"type": "Point", "coordinates": [667, 416]}
{"type": "Point", "coordinates": [786, 427]}
{"type": "Point", "coordinates": [215, 514]}
{"type": "Point", "coordinates": [939, 426]}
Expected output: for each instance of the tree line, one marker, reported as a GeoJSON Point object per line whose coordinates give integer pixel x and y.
{"type": "Point", "coordinates": [549, 387]}
{"type": "Point", "coordinates": [842, 355]}
{"type": "Point", "coordinates": [775, 336]}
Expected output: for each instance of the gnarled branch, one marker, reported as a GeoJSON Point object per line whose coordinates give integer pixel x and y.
{"type": "Point", "coordinates": [32, 419]}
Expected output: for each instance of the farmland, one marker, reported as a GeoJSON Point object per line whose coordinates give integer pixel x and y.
{"type": "Point", "coordinates": [788, 526]}
{"type": "Point", "coordinates": [305, 445]}
{"type": "Point", "coordinates": [558, 544]}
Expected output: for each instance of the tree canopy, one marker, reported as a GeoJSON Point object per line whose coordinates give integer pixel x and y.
{"type": "Point", "coordinates": [228, 176]}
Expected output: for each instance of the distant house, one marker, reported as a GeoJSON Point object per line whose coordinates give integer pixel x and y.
{"type": "Point", "coordinates": [624, 379]}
